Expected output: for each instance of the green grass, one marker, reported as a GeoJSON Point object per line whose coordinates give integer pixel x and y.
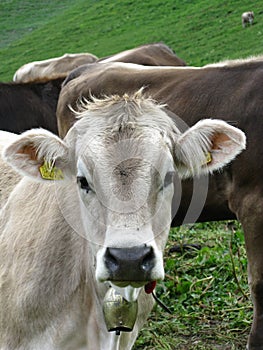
{"type": "Point", "coordinates": [19, 18]}
{"type": "Point", "coordinates": [207, 290]}
{"type": "Point", "coordinates": [200, 31]}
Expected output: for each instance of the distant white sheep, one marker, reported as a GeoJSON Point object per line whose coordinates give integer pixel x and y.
{"type": "Point", "coordinates": [247, 18]}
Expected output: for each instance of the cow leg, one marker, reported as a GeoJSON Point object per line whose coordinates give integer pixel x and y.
{"type": "Point", "coordinates": [249, 209]}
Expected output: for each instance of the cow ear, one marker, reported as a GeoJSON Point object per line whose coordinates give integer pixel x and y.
{"type": "Point", "coordinates": [39, 154]}
{"type": "Point", "coordinates": [207, 146]}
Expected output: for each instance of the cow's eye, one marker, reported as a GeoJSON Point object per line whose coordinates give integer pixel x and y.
{"type": "Point", "coordinates": [83, 183]}
{"type": "Point", "coordinates": [169, 177]}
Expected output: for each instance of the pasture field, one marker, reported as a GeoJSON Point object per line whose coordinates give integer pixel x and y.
{"type": "Point", "coordinates": [199, 31]}
{"type": "Point", "coordinates": [206, 289]}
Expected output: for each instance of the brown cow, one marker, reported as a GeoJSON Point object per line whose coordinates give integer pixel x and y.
{"type": "Point", "coordinates": [157, 54]}
{"type": "Point", "coordinates": [29, 105]}
{"type": "Point", "coordinates": [230, 91]}
{"type": "Point", "coordinates": [53, 68]}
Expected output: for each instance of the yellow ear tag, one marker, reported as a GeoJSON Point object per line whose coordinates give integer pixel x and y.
{"type": "Point", "coordinates": [208, 158]}
{"type": "Point", "coordinates": [50, 172]}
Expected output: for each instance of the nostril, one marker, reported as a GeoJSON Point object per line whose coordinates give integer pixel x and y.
{"type": "Point", "coordinates": [133, 264]}
{"type": "Point", "coordinates": [148, 261]}
{"type": "Point", "coordinates": [110, 261]}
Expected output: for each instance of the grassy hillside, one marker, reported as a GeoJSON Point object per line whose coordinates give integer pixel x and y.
{"type": "Point", "coordinates": [206, 289]}
{"type": "Point", "coordinates": [200, 31]}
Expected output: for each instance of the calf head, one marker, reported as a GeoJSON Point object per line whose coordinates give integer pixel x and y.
{"type": "Point", "coordinates": [123, 156]}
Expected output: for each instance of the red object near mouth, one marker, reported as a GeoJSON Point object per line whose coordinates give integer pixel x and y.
{"type": "Point", "coordinates": [149, 287]}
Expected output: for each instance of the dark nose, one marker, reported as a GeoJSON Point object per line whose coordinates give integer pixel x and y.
{"type": "Point", "coordinates": [130, 264]}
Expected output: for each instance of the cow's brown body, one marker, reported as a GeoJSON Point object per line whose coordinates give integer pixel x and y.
{"type": "Point", "coordinates": [29, 105]}
{"type": "Point", "coordinates": [157, 54]}
{"type": "Point", "coordinates": [233, 93]}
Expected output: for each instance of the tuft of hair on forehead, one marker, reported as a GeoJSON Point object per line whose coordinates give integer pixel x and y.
{"type": "Point", "coordinates": [118, 113]}
{"type": "Point", "coordinates": [94, 104]}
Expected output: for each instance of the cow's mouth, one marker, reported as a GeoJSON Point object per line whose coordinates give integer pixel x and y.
{"type": "Point", "coordinates": [148, 286]}
{"type": "Point", "coordinates": [134, 284]}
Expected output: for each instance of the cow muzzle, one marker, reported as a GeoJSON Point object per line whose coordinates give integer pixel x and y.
{"type": "Point", "coordinates": [132, 266]}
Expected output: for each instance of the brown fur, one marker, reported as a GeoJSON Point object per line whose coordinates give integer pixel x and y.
{"type": "Point", "coordinates": [29, 105]}
{"type": "Point", "coordinates": [157, 54]}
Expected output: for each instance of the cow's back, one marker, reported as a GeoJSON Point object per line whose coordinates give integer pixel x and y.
{"type": "Point", "coordinates": [157, 54]}
{"type": "Point", "coordinates": [53, 68]}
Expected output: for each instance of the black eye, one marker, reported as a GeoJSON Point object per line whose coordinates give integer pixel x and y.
{"type": "Point", "coordinates": [169, 177]}
{"type": "Point", "coordinates": [83, 183]}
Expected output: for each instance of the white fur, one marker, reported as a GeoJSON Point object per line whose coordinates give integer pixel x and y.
{"type": "Point", "coordinates": [53, 234]}
{"type": "Point", "coordinates": [196, 142]}
{"type": "Point", "coordinates": [52, 68]}
{"type": "Point", "coordinates": [247, 18]}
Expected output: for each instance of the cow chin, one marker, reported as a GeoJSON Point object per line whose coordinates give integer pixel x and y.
{"type": "Point", "coordinates": [128, 292]}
